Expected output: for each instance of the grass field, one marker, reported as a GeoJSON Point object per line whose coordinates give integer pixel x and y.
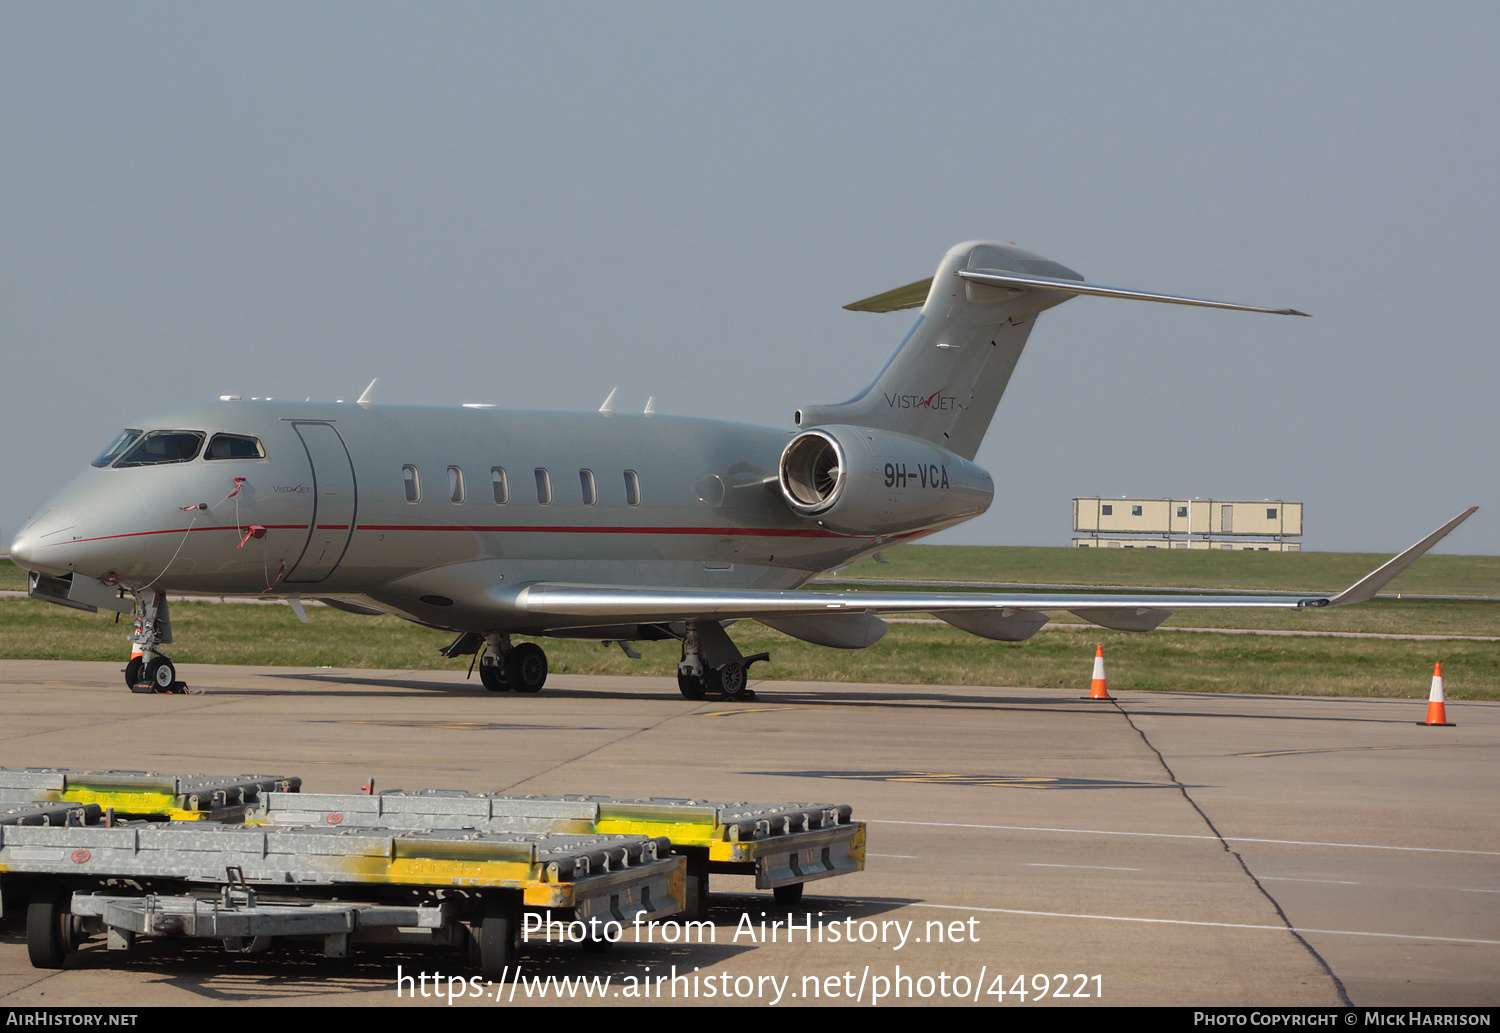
{"type": "Point", "coordinates": [1181, 568]}
{"type": "Point", "coordinates": [914, 653]}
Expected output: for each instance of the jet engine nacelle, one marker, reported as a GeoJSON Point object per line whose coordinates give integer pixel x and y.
{"type": "Point", "coordinates": [856, 480]}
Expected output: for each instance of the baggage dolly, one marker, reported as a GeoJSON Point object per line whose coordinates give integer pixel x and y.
{"type": "Point", "coordinates": [783, 846]}
{"type": "Point", "coordinates": [245, 885]}
{"type": "Point", "coordinates": [248, 859]}
{"type": "Point", "coordinates": [143, 794]}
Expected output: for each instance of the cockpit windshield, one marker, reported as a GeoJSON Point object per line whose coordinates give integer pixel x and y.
{"type": "Point", "coordinates": [125, 439]}
{"type": "Point", "coordinates": [162, 446]}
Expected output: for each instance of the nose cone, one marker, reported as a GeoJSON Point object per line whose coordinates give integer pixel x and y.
{"type": "Point", "coordinates": [41, 543]}
{"type": "Point", "coordinates": [22, 552]}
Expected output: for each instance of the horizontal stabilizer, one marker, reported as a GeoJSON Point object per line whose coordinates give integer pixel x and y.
{"type": "Point", "coordinates": [910, 296]}
{"type": "Point", "coordinates": [913, 295]}
{"type": "Point", "coordinates": [1020, 282]}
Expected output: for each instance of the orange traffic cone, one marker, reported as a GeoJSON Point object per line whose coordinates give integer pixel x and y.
{"type": "Point", "coordinates": [1435, 714]}
{"type": "Point", "coordinates": [1099, 689]}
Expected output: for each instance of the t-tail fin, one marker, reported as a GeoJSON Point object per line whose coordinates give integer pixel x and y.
{"type": "Point", "coordinates": [948, 374]}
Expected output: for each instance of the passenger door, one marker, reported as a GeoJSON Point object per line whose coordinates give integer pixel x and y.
{"type": "Point", "coordinates": [334, 503]}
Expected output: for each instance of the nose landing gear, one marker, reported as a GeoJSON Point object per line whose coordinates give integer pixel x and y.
{"type": "Point", "coordinates": [150, 670]}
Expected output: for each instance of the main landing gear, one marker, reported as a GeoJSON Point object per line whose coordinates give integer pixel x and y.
{"type": "Point", "coordinates": [503, 667]}
{"type": "Point", "coordinates": [150, 670]}
{"type": "Point", "coordinates": [712, 665]}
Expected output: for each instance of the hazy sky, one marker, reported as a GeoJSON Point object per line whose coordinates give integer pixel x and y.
{"type": "Point", "coordinates": [529, 204]}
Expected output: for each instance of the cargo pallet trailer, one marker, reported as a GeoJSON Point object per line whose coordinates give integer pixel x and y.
{"type": "Point", "coordinates": [248, 859]}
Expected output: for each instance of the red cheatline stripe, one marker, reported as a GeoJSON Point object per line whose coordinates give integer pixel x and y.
{"type": "Point", "coordinates": [179, 530]}
{"type": "Point", "coordinates": [728, 532]}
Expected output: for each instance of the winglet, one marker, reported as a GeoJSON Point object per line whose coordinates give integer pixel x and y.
{"type": "Point", "coordinates": [1365, 589]}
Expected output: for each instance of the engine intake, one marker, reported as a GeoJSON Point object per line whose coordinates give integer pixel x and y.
{"type": "Point", "coordinates": [861, 481]}
{"type": "Point", "coordinates": [812, 472]}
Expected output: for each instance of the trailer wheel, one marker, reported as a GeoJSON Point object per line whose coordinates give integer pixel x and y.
{"type": "Point", "coordinates": [499, 937]}
{"type": "Point", "coordinates": [789, 895]}
{"type": "Point", "coordinates": [49, 929]}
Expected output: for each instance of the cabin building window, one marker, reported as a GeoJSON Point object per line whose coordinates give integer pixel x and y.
{"type": "Point", "coordinates": [234, 446]}
{"type": "Point", "coordinates": [589, 488]}
{"type": "Point", "coordinates": [543, 487]}
{"type": "Point", "coordinates": [455, 484]}
{"type": "Point", "coordinates": [632, 488]}
{"type": "Point", "coordinates": [500, 485]}
{"type": "Point", "coordinates": [1106, 510]}
{"type": "Point", "coordinates": [1270, 513]}
{"type": "Point", "coordinates": [1135, 510]}
{"type": "Point", "coordinates": [412, 483]}
{"type": "Point", "coordinates": [1182, 511]}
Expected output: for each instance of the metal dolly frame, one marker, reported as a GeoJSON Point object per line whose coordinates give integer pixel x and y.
{"type": "Point", "coordinates": [783, 846]}
{"type": "Point", "coordinates": [477, 880]}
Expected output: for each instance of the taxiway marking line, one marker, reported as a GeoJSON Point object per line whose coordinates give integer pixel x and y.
{"type": "Point", "coordinates": [1213, 925]}
{"type": "Point", "coordinates": [1288, 878]}
{"type": "Point", "coordinates": [1177, 835]}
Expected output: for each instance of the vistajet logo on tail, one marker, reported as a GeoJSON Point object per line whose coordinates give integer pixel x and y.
{"type": "Point", "coordinates": [936, 400]}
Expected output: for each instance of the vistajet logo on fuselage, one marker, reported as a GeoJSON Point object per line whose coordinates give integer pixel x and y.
{"type": "Point", "coordinates": [936, 400]}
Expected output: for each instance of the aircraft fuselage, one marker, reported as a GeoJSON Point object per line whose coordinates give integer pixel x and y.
{"type": "Point", "coordinates": [388, 504]}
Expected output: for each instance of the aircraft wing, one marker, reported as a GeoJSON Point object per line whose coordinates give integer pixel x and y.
{"type": "Point", "coordinates": [1009, 617]}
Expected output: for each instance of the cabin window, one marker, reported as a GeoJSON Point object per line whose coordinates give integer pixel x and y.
{"type": "Point", "coordinates": [1135, 510]}
{"type": "Point", "coordinates": [455, 484]}
{"type": "Point", "coordinates": [589, 488]}
{"type": "Point", "coordinates": [1182, 511]}
{"type": "Point", "coordinates": [500, 485]}
{"type": "Point", "coordinates": [412, 482]}
{"type": "Point", "coordinates": [1270, 513]}
{"type": "Point", "coordinates": [234, 446]}
{"type": "Point", "coordinates": [117, 447]}
{"type": "Point", "coordinates": [1106, 510]}
{"type": "Point", "coordinates": [543, 487]}
{"type": "Point", "coordinates": [163, 446]}
{"type": "Point", "coordinates": [632, 488]}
